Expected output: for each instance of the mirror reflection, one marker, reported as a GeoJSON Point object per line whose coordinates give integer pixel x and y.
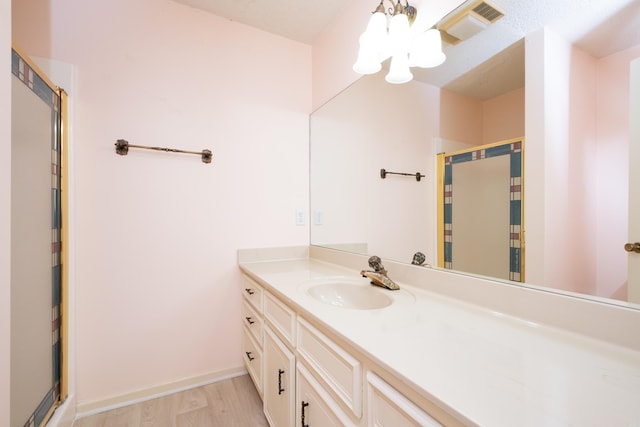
{"type": "Point", "coordinates": [353, 137]}
{"type": "Point", "coordinates": [576, 179]}
{"type": "Point", "coordinates": [480, 210]}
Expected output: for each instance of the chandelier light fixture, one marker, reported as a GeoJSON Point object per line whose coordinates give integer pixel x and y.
{"type": "Point", "coordinates": [388, 35]}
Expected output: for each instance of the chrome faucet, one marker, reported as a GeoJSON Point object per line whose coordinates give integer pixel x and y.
{"type": "Point", "coordinates": [378, 275]}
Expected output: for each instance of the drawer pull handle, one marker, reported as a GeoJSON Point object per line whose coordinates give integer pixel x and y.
{"type": "Point", "coordinates": [302, 416]}
{"type": "Point", "coordinates": [250, 291]}
{"type": "Point", "coordinates": [249, 320]}
{"type": "Point", "coordinates": [280, 389]}
{"type": "Point", "coordinates": [249, 356]}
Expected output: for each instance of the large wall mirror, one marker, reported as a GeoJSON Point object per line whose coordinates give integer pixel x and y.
{"type": "Point", "coordinates": [374, 125]}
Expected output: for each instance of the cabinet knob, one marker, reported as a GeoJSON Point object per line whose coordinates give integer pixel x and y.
{"type": "Point", "coordinates": [249, 356]}
{"type": "Point", "coordinates": [250, 291]}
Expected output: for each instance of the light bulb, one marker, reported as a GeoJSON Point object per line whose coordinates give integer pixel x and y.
{"type": "Point", "coordinates": [399, 35]}
{"type": "Point", "coordinates": [426, 50]}
{"type": "Point", "coordinates": [368, 61]}
{"type": "Point", "coordinates": [372, 43]}
{"type": "Point", "coordinates": [377, 27]}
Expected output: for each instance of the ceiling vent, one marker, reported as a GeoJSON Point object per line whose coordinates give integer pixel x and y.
{"type": "Point", "coordinates": [466, 22]}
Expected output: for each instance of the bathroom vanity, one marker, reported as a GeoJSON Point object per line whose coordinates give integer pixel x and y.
{"type": "Point", "coordinates": [325, 348]}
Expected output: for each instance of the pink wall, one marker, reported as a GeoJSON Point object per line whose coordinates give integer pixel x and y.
{"type": "Point", "coordinates": [335, 51]}
{"type": "Point", "coordinates": [5, 210]}
{"type": "Point", "coordinates": [157, 281]}
{"type": "Point", "coordinates": [576, 166]}
{"type": "Point", "coordinates": [555, 254]}
{"type": "Point", "coordinates": [460, 118]}
{"type": "Point", "coordinates": [477, 122]}
{"type": "Point", "coordinates": [503, 117]}
{"type": "Point", "coordinates": [578, 238]}
{"type": "Point", "coordinates": [613, 171]}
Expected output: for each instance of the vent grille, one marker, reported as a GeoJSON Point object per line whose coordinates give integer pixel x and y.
{"type": "Point", "coordinates": [468, 20]}
{"type": "Point", "coordinates": [488, 12]}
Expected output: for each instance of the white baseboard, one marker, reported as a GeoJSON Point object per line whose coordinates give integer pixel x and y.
{"type": "Point", "coordinates": [85, 409]}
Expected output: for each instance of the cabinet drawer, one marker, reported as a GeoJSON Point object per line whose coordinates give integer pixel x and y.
{"type": "Point", "coordinates": [341, 371]}
{"type": "Point", "coordinates": [281, 318]}
{"type": "Point", "coordinates": [314, 406]}
{"type": "Point", "coordinates": [252, 321]}
{"type": "Point", "coordinates": [253, 292]}
{"type": "Point", "coordinates": [253, 359]}
{"type": "Point", "coordinates": [387, 407]}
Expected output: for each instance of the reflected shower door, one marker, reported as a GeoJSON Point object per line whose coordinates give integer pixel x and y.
{"type": "Point", "coordinates": [480, 203]}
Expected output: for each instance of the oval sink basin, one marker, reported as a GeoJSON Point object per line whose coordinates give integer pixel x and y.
{"type": "Point", "coordinates": [351, 295]}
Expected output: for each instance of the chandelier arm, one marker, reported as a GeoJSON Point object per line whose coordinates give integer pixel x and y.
{"type": "Point", "coordinates": [381, 8]}
{"type": "Point", "coordinates": [398, 8]}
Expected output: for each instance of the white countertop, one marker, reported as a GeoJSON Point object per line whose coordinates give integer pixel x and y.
{"type": "Point", "coordinates": [490, 368]}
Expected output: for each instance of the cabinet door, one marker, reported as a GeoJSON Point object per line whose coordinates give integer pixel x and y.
{"type": "Point", "coordinates": [314, 406]}
{"type": "Point", "coordinates": [279, 381]}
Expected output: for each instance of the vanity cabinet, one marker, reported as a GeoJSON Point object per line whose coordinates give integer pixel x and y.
{"type": "Point", "coordinates": [307, 379]}
{"type": "Point", "coordinates": [253, 330]}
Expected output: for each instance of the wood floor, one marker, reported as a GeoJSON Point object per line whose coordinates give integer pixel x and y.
{"type": "Point", "coordinates": [230, 403]}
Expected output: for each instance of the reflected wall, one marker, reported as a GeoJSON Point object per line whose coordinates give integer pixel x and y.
{"type": "Point", "coordinates": [375, 126]}
{"type": "Point", "coordinates": [576, 171]}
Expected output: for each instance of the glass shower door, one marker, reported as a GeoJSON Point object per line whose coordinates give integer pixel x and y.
{"type": "Point", "coordinates": [35, 246]}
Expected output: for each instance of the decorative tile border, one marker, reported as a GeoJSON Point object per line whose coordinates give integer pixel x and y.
{"type": "Point", "coordinates": [514, 150]}
{"type": "Point", "coordinates": [27, 75]}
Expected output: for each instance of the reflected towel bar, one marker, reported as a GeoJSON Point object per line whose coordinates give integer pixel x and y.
{"type": "Point", "coordinates": [122, 148]}
{"type": "Point", "coordinates": [384, 173]}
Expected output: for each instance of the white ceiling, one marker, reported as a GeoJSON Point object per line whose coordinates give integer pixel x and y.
{"type": "Point", "coordinates": [600, 27]}
{"type": "Point", "coordinates": [300, 20]}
